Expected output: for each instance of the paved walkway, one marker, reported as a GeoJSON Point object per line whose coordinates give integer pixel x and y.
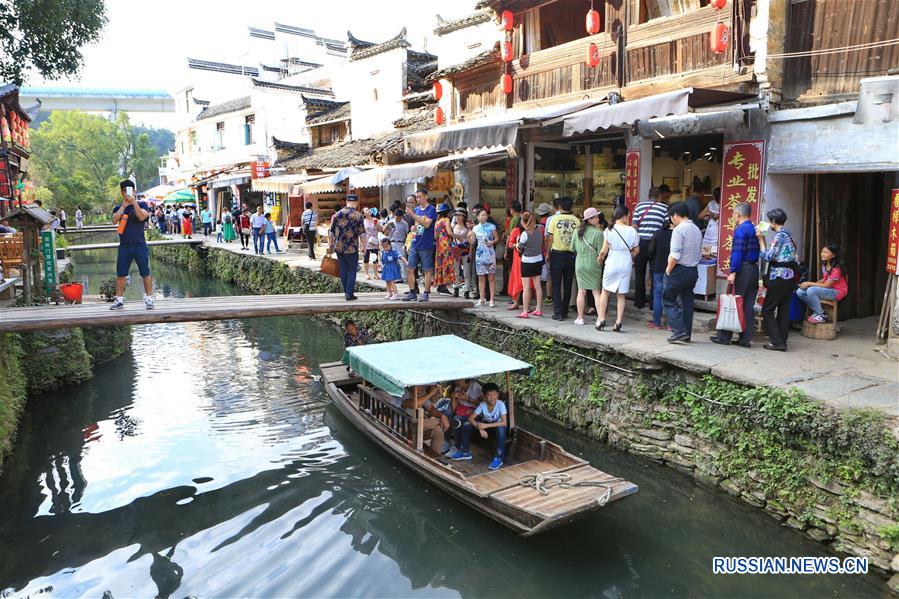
{"type": "Point", "coordinates": [851, 371]}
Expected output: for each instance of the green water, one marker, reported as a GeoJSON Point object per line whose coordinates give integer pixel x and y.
{"type": "Point", "coordinates": [208, 462]}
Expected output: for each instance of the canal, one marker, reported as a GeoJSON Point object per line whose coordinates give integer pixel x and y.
{"type": "Point", "coordinates": [208, 462]}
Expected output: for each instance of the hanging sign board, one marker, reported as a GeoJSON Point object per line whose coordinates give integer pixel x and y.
{"type": "Point", "coordinates": [632, 181]}
{"type": "Point", "coordinates": [48, 250]}
{"type": "Point", "coordinates": [511, 182]}
{"type": "Point", "coordinates": [893, 240]}
{"type": "Point", "coordinates": [741, 182]}
{"type": "Point", "coordinates": [258, 170]}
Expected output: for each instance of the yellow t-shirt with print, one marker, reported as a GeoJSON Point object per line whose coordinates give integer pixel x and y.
{"type": "Point", "coordinates": [563, 229]}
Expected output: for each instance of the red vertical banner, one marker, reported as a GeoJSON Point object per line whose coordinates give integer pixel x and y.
{"type": "Point", "coordinates": [893, 240]}
{"type": "Point", "coordinates": [511, 182]}
{"type": "Point", "coordinates": [741, 182]}
{"type": "Point", "coordinates": [632, 180]}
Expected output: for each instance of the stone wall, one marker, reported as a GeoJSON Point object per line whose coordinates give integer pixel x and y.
{"type": "Point", "coordinates": [833, 476]}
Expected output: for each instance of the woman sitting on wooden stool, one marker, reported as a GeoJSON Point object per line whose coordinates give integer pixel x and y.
{"type": "Point", "coordinates": [832, 286]}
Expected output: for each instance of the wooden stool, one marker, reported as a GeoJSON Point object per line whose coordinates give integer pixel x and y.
{"type": "Point", "coordinates": [825, 330]}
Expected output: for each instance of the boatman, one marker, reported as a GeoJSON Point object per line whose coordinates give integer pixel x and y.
{"type": "Point", "coordinates": [131, 217]}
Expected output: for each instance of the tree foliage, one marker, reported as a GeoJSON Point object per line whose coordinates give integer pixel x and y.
{"type": "Point", "coordinates": [82, 157]}
{"type": "Point", "coordinates": [46, 35]}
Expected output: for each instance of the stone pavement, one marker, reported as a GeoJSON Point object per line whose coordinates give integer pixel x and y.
{"type": "Point", "coordinates": [850, 372]}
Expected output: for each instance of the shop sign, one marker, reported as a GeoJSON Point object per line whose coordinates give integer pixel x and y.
{"type": "Point", "coordinates": [48, 249]}
{"type": "Point", "coordinates": [5, 190]}
{"type": "Point", "coordinates": [442, 182]}
{"type": "Point", "coordinates": [511, 182]}
{"type": "Point", "coordinates": [258, 170]}
{"type": "Point", "coordinates": [893, 241]}
{"type": "Point", "coordinates": [632, 180]}
{"type": "Point", "coordinates": [741, 182]}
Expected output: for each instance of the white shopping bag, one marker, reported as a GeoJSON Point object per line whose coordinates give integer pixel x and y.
{"type": "Point", "coordinates": [730, 313]}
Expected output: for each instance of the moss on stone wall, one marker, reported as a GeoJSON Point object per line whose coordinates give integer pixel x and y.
{"type": "Point", "coordinates": [12, 390]}
{"type": "Point", "coordinates": [106, 343]}
{"type": "Point", "coordinates": [54, 359]}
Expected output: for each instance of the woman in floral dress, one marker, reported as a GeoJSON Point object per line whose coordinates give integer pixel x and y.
{"type": "Point", "coordinates": [443, 238]}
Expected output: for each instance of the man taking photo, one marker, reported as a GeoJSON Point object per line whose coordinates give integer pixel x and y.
{"type": "Point", "coordinates": [131, 216]}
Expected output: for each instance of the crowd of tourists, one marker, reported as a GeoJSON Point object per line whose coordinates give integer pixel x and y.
{"type": "Point", "coordinates": [455, 249]}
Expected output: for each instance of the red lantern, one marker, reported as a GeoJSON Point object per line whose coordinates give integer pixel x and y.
{"type": "Point", "coordinates": [507, 83]}
{"type": "Point", "coordinates": [718, 40]}
{"type": "Point", "coordinates": [594, 22]}
{"type": "Point", "coordinates": [438, 90]}
{"type": "Point", "coordinates": [438, 116]}
{"type": "Point", "coordinates": [507, 20]}
{"type": "Point", "coordinates": [507, 52]}
{"type": "Point", "coordinates": [718, 4]}
{"type": "Point", "coordinates": [593, 55]}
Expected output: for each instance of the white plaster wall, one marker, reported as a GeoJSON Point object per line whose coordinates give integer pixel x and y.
{"type": "Point", "coordinates": [833, 145]}
{"type": "Point", "coordinates": [458, 46]}
{"type": "Point", "coordinates": [280, 114]}
{"type": "Point", "coordinates": [785, 192]}
{"type": "Point", "coordinates": [383, 72]}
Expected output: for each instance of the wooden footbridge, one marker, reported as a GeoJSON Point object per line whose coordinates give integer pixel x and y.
{"type": "Point", "coordinates": [106, 246]}
{"type": "Point", "coordinates": [98, 314]}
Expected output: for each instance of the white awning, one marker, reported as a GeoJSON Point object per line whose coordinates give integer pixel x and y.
{"type": "Point", "coordinates": [228, 179]}
{"type": "Point", "coordinates": [320, 185]}
{"type": "Point", "coordinates": [626, 113]}
{"type": "Point", "coordinates": [278, 183]}
{"type": "Point", "coordinates": [413, 172]}
{"type": "Point", "coordinates": [495, 130]}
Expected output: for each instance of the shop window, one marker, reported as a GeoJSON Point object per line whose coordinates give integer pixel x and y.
{"type": "Point", "coordinates": [249, 134]}
{"type": "Point", "coordinates": [192, 140]}
{"type": "Point", "coordinates": [219, 140]}
{"type": "Point", "coordinates": [656, 9]}
{"type": "Point", "coordinates": [557, 23]}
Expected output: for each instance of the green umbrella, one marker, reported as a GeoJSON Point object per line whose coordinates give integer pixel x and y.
{"type": "Point", "coordinates": [179, 196]}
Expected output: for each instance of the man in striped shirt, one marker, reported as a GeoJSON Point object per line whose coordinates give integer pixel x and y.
{"type": "Point", "coordinates": [309, 221]}
{"type": "Point", "coordinates": [648, 217]}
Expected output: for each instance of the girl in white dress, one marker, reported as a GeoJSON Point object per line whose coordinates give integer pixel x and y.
{"type": "Point", "coordinates": [620, 244]}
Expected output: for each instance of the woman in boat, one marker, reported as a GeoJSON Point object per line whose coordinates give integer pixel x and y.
{"type": "Point", "coordinates": [491, 414]}
{"type": "Point", "coordinates": [434, 424]}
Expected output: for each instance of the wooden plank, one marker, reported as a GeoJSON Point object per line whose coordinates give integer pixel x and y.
{"type": "Point", "coordinates": [200, 309]}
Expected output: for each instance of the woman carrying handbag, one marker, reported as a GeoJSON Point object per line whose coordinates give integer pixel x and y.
{"type": "Point", "coordinates": [619, 247]}
{"type": "Point", "coordinates": [781, 280]}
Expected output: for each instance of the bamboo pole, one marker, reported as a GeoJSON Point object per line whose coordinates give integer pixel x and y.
{"type": "Point", "coordinates": [511, 399]}
{"type": "Point", "coordinates": [419, 425]}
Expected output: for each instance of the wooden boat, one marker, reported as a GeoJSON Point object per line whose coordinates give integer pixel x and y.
{"type": "Point", "coordinates": [541, 486]}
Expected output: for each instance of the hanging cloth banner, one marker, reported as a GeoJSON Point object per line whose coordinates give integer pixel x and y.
{"type": "Point", "coordinates": [632, 181]}
{"type": "Point", "coordinates": [893, 240]}
{"type": "Point", "coordinates": [741, 182]}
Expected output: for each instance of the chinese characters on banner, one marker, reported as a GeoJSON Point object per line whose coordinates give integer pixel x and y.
{"type": "Point", "coordinates": [258, 170]}
{"type": "Point", "coordinates": [741, 181]}
{"type": "Point", "coordinates": [893, 241]}
{"type": "Point", "coordinates": [511, 182]}
{"type": "Point", "coordinates": [632, 180]}
{"type": "Point", "coordinates": [48, 250]}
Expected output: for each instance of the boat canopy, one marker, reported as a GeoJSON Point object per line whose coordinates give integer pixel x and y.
{"type": "Point", "coordinates": [400, 364]}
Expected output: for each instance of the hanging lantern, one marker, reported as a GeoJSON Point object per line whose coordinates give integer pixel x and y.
{"type": "Point", "coordinates": [438, 116]}
{"type": "Point", "coordinates": [507, 52]}
{"type": "Point", "coordinates": [507, 83]}
{"type": "Point", "coordinates": [507, 20]}
{"type": "Point", "coordinates": [594, 22]}
{"type": "Point", "coordinates": [718, 4]}
{"type": "Point", "coordinates": [718, 40]}
{"type": "Point", "coordinates": [438, 90]}
{"type": "Point", "coordinates": [593, 55]}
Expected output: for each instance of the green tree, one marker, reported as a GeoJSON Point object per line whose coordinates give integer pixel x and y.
{"type": "Point", "coordinates": [82, 157]}
{"type": "Point", "coordinates": [47, 36]}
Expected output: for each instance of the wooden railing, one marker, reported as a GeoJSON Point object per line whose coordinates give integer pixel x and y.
{"type": "Point", "coordinates": [393, 420]}
{"type": "Point", "coordinates": [11, 249]}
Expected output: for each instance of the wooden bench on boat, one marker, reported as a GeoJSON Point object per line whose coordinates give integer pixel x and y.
{"type": "Point", "coordinates": [539, 487]}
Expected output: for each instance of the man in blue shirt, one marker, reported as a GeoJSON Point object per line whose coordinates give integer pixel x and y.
{"type": "Point", "coordinates": [131, 217]}
{"type": "Point", "coordinates": [744, 274]}
{"type": "Point", "coordinates": [206, 217]}
{"type": "Point", "coordinates": [421, 250]}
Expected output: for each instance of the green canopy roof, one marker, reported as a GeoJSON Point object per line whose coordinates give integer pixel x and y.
{"type": "Point", "coordinates": [400, 364]}
{"type": "Point", "coordinates": [180, 196]}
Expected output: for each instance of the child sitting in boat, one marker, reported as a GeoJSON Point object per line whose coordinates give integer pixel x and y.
{"type": "Point", "coordinates": [490, 415]}
{"type": "Point", "coordinates": [464, 397]}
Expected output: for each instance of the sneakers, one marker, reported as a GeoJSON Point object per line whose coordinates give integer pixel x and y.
{"type": "Point", "coordinates": [460, 455]}
{"type": "Point", "coordinates": [425, 297]}
{"type": "Point", "coordinates": [578, 321]}
{"type": "Point", "coordinates": [449, 451]}
{"type": "Point", "coordinates": [496, 463]}
{"type": "Point", "coordinates": [396, 297]}
{"type": "Point", "coordinates": [389, 296]}
{"type": "Point", "coordinates": [817, 318]}
{"type": "Point", "coordinates": [148, 302]}
{"type": "Point", "coordinates": [410, 297]}
{"type": "Point", "coordinates": [480, 302]}
{"type": "Point", "coordinates": [492, 304]}
{"type": "Point", "coordinates": [118, 304]}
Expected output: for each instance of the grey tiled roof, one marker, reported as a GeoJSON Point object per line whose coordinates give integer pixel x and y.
{"type": "Point", "coordinates": [445, 26]}
{"type": "Point", "coordinates": [485, 57]}
{"type": "Point", "coordinates": [339, 112]}
{"type": "Point", "coordinates": [234, 105]}
{"type": "Point", "coordinates": [294, 88]}
{"type": "Point", "coordinates": [360, 49]}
